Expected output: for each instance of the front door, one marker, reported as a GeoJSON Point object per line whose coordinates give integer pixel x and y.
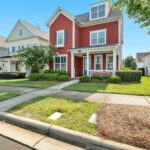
{"type": "Point", "coordinates": [85, 65]}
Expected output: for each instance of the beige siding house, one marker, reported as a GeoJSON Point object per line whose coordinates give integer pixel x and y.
{"type": "Point", "coordinates": [143, 62]}
{"type": "Point", "coordinates": [22, 35]}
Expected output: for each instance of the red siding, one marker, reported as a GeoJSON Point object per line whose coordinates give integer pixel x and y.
{"type": "Point", "coordinates": [84, 33]}
{"type": "Point", "coordinates": [62, 23]}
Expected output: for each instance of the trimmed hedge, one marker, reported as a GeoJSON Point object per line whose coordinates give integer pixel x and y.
{"type": "Point", "coordinates": [12, 75]}
{"type": "Point", "coordinates": [129, 76]}
{"type": "Point", "coordinates": [55, 71]}
{"type": "Point", "coordinates": [85, 79]}
{"type": "Point", "coordinates": [115, 79]}
{"type": "Point", "coordinates": [64, 78]}
{"type": "Point", "coordinates": [36, 77]}
{"type": "Point", "coordinates": [104, 78]}
{"type": "Point", "coordinates": [125, 69]}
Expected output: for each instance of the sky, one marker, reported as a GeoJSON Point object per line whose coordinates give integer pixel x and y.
{"type": "Point", "coordinates": [37, 12]}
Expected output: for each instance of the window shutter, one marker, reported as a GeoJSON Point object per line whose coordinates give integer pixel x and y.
{"type": "Point", "coordinates": [55, 38]}
{"type": "Point", "coordinates": [66, 37]}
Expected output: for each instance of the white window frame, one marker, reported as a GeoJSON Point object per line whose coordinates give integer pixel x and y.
{"type": "Point", "coordinates": [60, 61]}
{"type": "Point", "coordinates": [60, 45]}
{"type": "Point", "coordinates": [97, 5]}
{"type": "Point", "coordinates": [95, 56]}
{"type": "Point", "coordinates": [97, 31]}
{"type": "Point", "coordinates": [107, 55]}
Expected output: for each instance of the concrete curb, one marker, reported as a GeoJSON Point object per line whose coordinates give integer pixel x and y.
{"type": "Point", "coordinates": [70, 136]}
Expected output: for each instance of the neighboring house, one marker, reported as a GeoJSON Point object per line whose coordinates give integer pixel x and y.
{"type": "Point", "coordinates": [3, 51]}
{"type": "Point", "coordinates": [94, 38]}
{"type": "Point", "coordinates": [22, 35]}
{"type": "Point", "coordinates": [143, 62]}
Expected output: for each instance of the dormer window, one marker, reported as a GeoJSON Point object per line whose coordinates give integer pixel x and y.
{"type": "Point", "coordinates": [98, 11]}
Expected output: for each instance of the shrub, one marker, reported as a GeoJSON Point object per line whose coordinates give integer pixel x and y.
{"type": "Point", "coordinates": [85, 79]}
{"type": "Point", "coordinates": [55, 71]}
{"type": "Point", "coordinates": [36, 77]}
{"type": "Point", "coordinates": [125, 69]}
{"type": "Point", "coordinates": [130, 76]}
{"type": "Point", "coordinates": [21, 75]}
{"type": "Point", "coordinates": [64, 78]}
{"type": "Point", "coordinates": [11, 75]}
{"type": "Point", "coordinates": [114, 79]}
{"type": "Point", "coordinates": [103, 78]}
{"type": "Point", "coordinates": [51, 76]}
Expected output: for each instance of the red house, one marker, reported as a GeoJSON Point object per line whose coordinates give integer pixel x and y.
{"type": "Point", "coordinates": [90, 43]}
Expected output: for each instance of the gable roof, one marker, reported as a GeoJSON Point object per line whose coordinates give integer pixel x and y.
{"type": "Point", "coordinates": [83, 19]}
{"type": "Point", "coordinates": [140, 56]}
{"type": "Point", "coordinates": [33, 29]}
{"type": "Point", "coordinates": [2, 42]}
{"type": "Point", "coordinates": [59, 11]}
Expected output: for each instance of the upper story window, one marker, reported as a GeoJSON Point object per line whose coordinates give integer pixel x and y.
{"type": "Point", "coordinates": [13, 49]}
{"type": "Point", "coordinates": [20, 32]}
{"type": "Point", "coordinates": [98, 37]}
{"type": "Point", "coordinates": [60, 38]}
{"type": "Point", "coordinates": [98, 12]}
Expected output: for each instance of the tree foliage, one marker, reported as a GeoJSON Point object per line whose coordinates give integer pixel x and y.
{"type": "Point", "coordinates": [36, 57]}
{"type": "Point", "coordinates": [130, 63]}
{"type": "Point", "coordinates": [136, 9]}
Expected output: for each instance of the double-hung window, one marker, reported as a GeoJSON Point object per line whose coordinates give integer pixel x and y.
{"type": "Point", "coordinates": [109, 62]}
{"type": "Point", "coordinates": [60, 38]}
{"type": "Point", "coordinates": [98, 12]}
{"type": "Point", "coordinates": [13, 49]}
{"type": "Point", "coordinates": [61, 63]}
{"type": "Point", "coordinates": [98, 62]}
{"type": "Point", "coordinates": [98, 37]}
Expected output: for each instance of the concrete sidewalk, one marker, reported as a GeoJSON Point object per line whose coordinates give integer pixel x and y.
{"type": "Point", "coordinates": [95, 97]}
{"type": "Point", "coordinates": [32, 139]}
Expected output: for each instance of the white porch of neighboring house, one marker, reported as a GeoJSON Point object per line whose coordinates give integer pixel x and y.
{"type": "Point", "coordinates": [8, 64]}
{"type": "Point", "coordinates": [94, 56]}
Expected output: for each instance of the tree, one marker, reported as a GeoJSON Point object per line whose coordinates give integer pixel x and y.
{"type": "Point", "coordinates": [36, 57]}
{"type": "Point", "coordinates": [130, 63]}
{"type": "Point", "coordinates": [136, 9]}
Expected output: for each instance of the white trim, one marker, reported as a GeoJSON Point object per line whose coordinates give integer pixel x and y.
{"type": "Point", "coordinates": [107, 63]}
{"type": "Point", "coordinates": [72, 65]}
{"type": "Point", "coordinates": [60, 45]}
{"type": "Point", "coordinates": [61, 55]}
{"type": "Point", "coordinates": [95, 56]}
{"type": "Point", "coordinates": [97, 31]}
{"type": "Point", "coordinates": [73, 34]}
{"type": "Point", "coordinates": [97, 5]}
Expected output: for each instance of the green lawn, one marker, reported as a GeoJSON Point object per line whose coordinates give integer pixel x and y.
{"type": "Point", "coordinates": [27, 83]}
{"type": "Point", "coordinates": [142, 88]}
{"type": "Point", "coordinates": [6, 95]}
{"type": "Point", "coordinates": [75, 113]}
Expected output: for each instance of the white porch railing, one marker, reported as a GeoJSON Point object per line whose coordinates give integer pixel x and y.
{"type": "Point", "coordinates": [102, 72]}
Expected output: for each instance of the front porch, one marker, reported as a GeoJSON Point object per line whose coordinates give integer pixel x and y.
{"type": "Point", "coordinates": [101, 60]}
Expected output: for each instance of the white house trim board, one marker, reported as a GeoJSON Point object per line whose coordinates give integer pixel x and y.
{"type": "Point", "coordinates": [57, 13]}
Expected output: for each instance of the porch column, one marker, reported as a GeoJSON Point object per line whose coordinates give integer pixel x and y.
{"type": "Point", "coordinates": [114, 61]}
{"type": "Point", "coordinates": [72, 65]}
{"type": "Point", "coordinates": [88, 69]}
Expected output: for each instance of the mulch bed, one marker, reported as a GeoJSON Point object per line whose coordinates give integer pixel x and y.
{"type": "Point", "coordinates": [125, 124]}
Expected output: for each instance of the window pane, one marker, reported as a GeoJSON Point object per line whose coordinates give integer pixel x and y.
{"type": "Point", "coordinates": [60, 38]}
{"type": "Point", "coordinates": [110, 59]}
{"type": "Point", "coordinates": [94, 16]}
{"type": "Point", "coordinates": [94, 38]}
{"type": "Point", "coordinates": [63, 67]}
{"type": "Point", "coordinates": [57, 59]}
{"type": "Point", "coordinates": [94, 10]}
{"type": "Point", "coordinates": [101, 40]}
{"type": "Point", "coordinates": [63, 59]}
{"type": "Point", "coordinates": [57, 66]}
{"type": "Point", "coordinates": [101, 10]}
{"type": "Point", "coordinates": [101, 14]}
{"type": "Point", "coordinates": [98, 66]}
{"type": "Point", "coordinates": [110, 66]}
